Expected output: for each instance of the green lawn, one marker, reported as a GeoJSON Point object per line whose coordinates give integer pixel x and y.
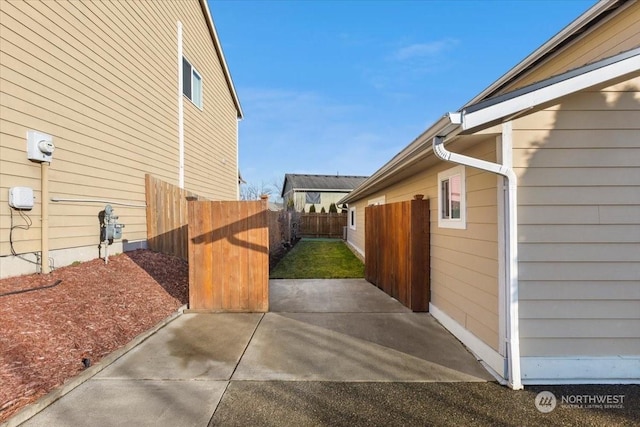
{"type": "Point", "coordinates": [318, 259]}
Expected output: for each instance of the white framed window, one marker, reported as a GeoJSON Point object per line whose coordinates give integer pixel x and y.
{"type": "Point", "coordinates": [452, 203]}
{"type": "Point", "coordinates": [191, 83]}
{"type": "Point", "coordinates": [352, 218]}
{"type": "Point", "coordinates": [377, 201]}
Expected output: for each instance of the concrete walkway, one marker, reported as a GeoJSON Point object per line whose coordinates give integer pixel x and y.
{"type": "Point", "coordinates": [331, 352]}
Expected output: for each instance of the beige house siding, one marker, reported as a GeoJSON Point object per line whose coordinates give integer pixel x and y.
{"type": "Point", "coordinates": [101, 78]}
{"type": "Point", "coordinates": [614, 35]}
{"type": "Point", "coordinates": [579, 219]}
{"type": "Point", "coordinates": [326, 198]}
{"type": "Point", "coordinates": [211, 169]}
{"type": "Point", "coordinates": [464, 263]}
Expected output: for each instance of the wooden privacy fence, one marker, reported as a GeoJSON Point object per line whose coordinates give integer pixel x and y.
{"type": "Point", "coordinates": [397, 251]}
{"type": "Point", "coordinates": [283, 231]}
{"type": "Point", "coordinates": [228, 256]}
{"type": "Point", "coordinates": [322, 224]}
{"type": "Point", "coordinates": [167, 217]}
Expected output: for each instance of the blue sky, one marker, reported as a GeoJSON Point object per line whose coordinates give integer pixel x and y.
{"type": "Point", "coordinates": [342, 86]}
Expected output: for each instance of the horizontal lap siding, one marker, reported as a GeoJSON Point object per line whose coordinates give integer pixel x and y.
{"type": "Point", "coordinates": [579, 215]}
{"type": "Point", "coordinates": [211, 168]}
{"type": "Point", "coordinates": [101, 78]}
{"type": "Point", "coordinates": [356, 237]}
{"type": "Point", "coordinates": [464, 263]}
{"type": "Point", "coordinates": [92, 80]}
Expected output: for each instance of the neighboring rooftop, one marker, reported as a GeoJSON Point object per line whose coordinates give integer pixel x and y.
{"type": "Point", "coordinates": [300, 182]}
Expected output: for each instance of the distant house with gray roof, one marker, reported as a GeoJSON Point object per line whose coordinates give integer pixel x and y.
{"type": "Point", "coordinates": [318, 190]}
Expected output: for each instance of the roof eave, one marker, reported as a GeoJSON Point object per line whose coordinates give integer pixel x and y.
{"type": "Point", "coordinates": [483, 115]}
{"type": "Point", "coordinates": [223, 61]}
{"type": "Point", "coordinates": [421, 144]}
{"type": "Point", "coordinates": [548, 47]}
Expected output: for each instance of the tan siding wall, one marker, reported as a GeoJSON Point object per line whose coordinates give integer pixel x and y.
{"type": "Point", "coordinates": [616, 35]}
{"type": "Point", "coordinates": [210, 134]}
{"type": "Point", "coordinates": [105, 87]}
{"type": "Point", "coordinates": [464, 263]}
{"type": "Point", "coordinates": [356, 237]}
{"type": "Point", "coordinates": [579, 213]}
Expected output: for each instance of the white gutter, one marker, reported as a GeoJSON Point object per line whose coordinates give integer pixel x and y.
{"type": "Point", "coordinates": [584, 20]}
{"type": "Point", "coordinates": [513, 336]}
{"type": "Point", "coordinates": [624, 64]}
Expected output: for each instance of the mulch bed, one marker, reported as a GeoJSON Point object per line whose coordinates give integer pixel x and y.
{"type": "Point", "coordinates": [49, 335]}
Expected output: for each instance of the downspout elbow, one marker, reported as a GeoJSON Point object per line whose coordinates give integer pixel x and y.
{"type": "Point", "coordinates": [441, 152]}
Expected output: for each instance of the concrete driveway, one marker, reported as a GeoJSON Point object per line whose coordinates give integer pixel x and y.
{"type": "Point", "coordinates": [331, 352]}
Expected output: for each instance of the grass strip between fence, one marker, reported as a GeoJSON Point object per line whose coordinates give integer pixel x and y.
{"type": "Point", "coordinates": [319, 259]}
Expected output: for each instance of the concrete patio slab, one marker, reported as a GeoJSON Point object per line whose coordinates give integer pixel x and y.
{"type": "Point", "coordinates": [332, 331]}
{"type": "Point", "coordinates": [330, 296]}
{"type": "Point", "coordinates": [355, 347]}
{"type": "Point", "coordinates": [194, 346]}
{"type": "Point", "coordinates": [108, 403]}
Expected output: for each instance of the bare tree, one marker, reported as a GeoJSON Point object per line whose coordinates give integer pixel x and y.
{"type": "Point", "coordinates": [250, 191]}
{"type": "Point", "coordinates": [276, 196]}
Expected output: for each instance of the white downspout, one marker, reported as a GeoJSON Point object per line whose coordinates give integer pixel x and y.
{"type": "Point", "coordinates": [513, 335]}
{"type": "Point", "coordinates": [180, 111]}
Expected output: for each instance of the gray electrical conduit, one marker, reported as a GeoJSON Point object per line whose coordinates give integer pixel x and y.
{"type": "Point", "coordinates": [109, 202]}
{"type": "Point", "coordinates": [56, 283]}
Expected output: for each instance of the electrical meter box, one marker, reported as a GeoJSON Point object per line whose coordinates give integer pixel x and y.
{"type": "Point", "coordinates": [21, 197]}
{"type": "Point", "coordinates": [39, 146]}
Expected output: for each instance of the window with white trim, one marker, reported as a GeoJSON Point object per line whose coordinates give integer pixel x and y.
{"type": "Point", "coordinates": [377, 201]}
{"type": "Point", "coordinates": [191, 83]}
{"type": "Point", "coordinates": [452, 206]}
{"type": "Point", "coordinates": [352, 218]}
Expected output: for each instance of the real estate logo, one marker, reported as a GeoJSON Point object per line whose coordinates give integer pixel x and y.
{"type": "Point", "coordinates": [546, 402]}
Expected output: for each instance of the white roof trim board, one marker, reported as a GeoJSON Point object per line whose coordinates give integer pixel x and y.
{"type": "Point", "coordinates": [551, 89]}
{"type": "Point", "coordinates": [593, 15]}
{"type": "Point", "coordinates": [486, 113]}
{"type": "Point", "coordinates": [223, 61]}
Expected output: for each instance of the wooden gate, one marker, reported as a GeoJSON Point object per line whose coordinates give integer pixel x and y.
{"type": "Point", "coordinates": [397, 251]}
{"type": "Point", "coordinates": [228, 256]}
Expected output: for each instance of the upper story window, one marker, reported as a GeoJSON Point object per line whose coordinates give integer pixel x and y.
{"type": "Point", "coordinates": [313, 197]}
{"type": "Point", "coordinates": [191, 83]}
{"type": "Point", "coordinates": [452, 204]}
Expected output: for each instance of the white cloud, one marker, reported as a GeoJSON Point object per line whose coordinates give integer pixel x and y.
{"type": "Point", "coordinates": [423, 50]}
{"type": "Point", "coordinates": [285, 131]}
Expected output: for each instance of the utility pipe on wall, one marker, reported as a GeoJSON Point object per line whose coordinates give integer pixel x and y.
{"type": "Point", "coordinates": [513, 335]}
{"type": "Point", "coordinates": [180, 109]}
{"type": "Point", "coordinates": [44, 216]}
{"type": "Point", "coordinates": [110, 202]}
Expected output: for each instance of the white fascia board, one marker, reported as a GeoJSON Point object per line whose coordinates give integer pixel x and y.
{"type": "Point", "coordinates": [580, 22]}
{"type": "Point", "coordinates": [225, 68]}
{"type": "Point", "coordinates": [419, 145]}
{"type": "Point", "coordinates": [533, 99]}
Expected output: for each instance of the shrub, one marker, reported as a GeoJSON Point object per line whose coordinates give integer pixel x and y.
{"type": "Point", "coordinates": [323, 210]}
{"type": "Point", "coordinates": [333, 208]}
{"type": "Point", "coordinates": [312, 209]}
